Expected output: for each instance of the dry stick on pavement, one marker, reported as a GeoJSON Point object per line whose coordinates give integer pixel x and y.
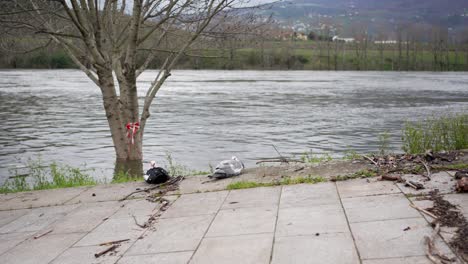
{"type": "Point", "coordinates": [375, 163]}
{"type": "Point", "coordinates": [424, 211]}
{"type": "Point", "coordinates": [43, 234]}
{"type": "Point", "coordinates": [114, 242]}
{"type": "Point", "coordinates": [97, 255]}
{"type": "Point", "coordinates": [169, 182]}
{"type": "Point", "coordinates": [136, 222]}
{"type": "Point", "coordinates": [432, 252]}
{"type": "Point", "coordinates": [428, 170]}
{"type": "Point", "coordinates": [279, 160]}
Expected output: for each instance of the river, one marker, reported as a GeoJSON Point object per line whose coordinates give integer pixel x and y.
{"type": "Point", "coordinates": [201, 117]}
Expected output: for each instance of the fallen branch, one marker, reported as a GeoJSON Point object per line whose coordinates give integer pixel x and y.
{"type": "Point", "coordinates": [375, 163]}
{"type": "Point", "coordinates": [391, 178]}
{"type": "Point", "coordinates": [424, 211]}
{"type": "Point", "coordinates": [279, 160]}
{"type": "Point", "coordinates": [136, 223]}
{"type": "Point", "coordinates": [114, 242]}
{"type": "Point", "coordinates": [414, 185]}
{"type": "Point", "coordinates": [43, 234]}
{"type": "Point", "coordinates": [428, 170]}
{"type": "Point", "coordinates": [171, 181]}
{"type": "Point", "coordinates": [113, 247]}
{"type": "Point", "coordinates": [432, 252]}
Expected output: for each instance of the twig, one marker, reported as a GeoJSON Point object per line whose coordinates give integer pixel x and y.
{"type": "Point", "coordinates": [97, 255]}
{"type": "Point", "coordinates": [43, 234]}
{"type": "Point", "coordinates": [114, 242]}
{"type": "Point", "coordinates": [428, 170]}
{"type": "Point", "coordinates": [392, 178]}
{"type": "Point", "coordinates": [279, 160]}
{"type": "Point", "coordinates": [424, 211]}
{"type": "Point", "coordinates": [169, 182]}
{"type": "Point", "coordinates": [136, 223]}
{"type": "Point", "coordinates": [281, 156]}
{"type": "Point", "coordinates": [432, 252]}
{"type": "Point", "coordinates": [375, 163]}
{"type": "Point", "coordinates": [415, 185]}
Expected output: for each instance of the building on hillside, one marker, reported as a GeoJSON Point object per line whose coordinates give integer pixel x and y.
{"type": "Point", "coordinates": [346, 40]}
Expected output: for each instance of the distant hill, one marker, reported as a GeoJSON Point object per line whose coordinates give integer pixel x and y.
{"type": "Point", "coordinates": [307, 14]}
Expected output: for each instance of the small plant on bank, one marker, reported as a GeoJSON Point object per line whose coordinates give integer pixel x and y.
{"type": "Point", "coordinates": [175, 169]}
{"type": "Point", "coordinates": [42, 177]}
{"type": "Point", "coordinates": [438, 133]}
{"type": "Point", "coordinates": [384, 142]}
{"type": "Point", "coordinates": [285, 181]}
{"type": "Point", "coordinates": [309, 157]}
{"type": "Point", "coordinates": [351, 155]}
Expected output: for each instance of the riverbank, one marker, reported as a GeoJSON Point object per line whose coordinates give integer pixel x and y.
{"type": "Point", "coordinates": [351, 221]}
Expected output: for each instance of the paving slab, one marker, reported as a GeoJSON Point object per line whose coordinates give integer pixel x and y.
{"type": "Point", "coordinates": [162, 258]}
{"type": "Point", "coordinates": [173, 234]}
{"type": "Point", "coordinates": [196, 204]}
{"type": "Point", "coordinates": [4, 197]}
{"type": "Point", "coordinates": [111, 230]}
{"type": "Point", "coordinates": [42, 198]}
{"type": "Point", "coordinates": [85, 255]}
{"type": "Point", "coordinates": [9, 216]}
{"type": "Point", "coordinates": [387, 239]}
{"type": "Point", "coordinates": [324, 249]}
{"type": "Point", "coordinates": [242, 221]}
{"type": "Point", "coordinates": [407, 260]}
{"type": "Point", "coordinates": [257, 197]}
{"type": "Point", "coordinates": [246, 249]}
{"type": "Point", "coordinates": [39, 251]}
{"type": "Point", "coordinates": [328, 218]}
{"type": "Point", "coordinates": [195, 184]}
{"type": "Point", "coordinates": [381, 207]}
{"type": "Point", "coordinates": [84, 218]}
{"type": "Point", "coordinates": [109, 192]}
{"type": "Point", "coordinates": [309, 194]}
{"type": "Point", "coordinates": [138, 207]}
{"type": "Point", "coordinates": [441, 181]}
{"type": "Point", "coordinates": [37, 219]}
{"type": "Point", "coordinates": [8, 241]}
{"type": "Point", "coordinates": [365, 187]}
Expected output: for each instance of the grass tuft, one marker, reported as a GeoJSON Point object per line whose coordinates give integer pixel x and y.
{"type": "Point", "coordinates": [286, 181]}
{"type": "Point", "coordinates": [443, 133]}
{"type": "Point", "coordinates": [40, 177]}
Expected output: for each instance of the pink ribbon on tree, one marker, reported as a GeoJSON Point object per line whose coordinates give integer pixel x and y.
{"type": "Point", "coordinates": [132, 129]}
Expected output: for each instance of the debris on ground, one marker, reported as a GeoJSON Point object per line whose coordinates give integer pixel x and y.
{"type": "Point", "coordinates": [462, 181]}
{"type": "Point", "coordinates": [109, 249]}
{"type": "Point", "coordinates": [448, 215]}
{"type": "Point", "coordinates": [43, 234]}
{"type": "Point", "coordinates": [171, 185]}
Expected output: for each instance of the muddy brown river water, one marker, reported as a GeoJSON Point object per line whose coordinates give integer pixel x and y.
{"type": "Point", "coordinates": [204, 116]}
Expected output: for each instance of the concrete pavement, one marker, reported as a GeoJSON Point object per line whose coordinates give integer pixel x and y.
{"type": "Point", "coordinates": [357, 221]}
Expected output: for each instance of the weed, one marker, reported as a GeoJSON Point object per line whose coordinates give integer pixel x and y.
{"type": "Point", "coordinates": [351, 155]}
{"type": "Point", "coordinates": [309, 157]}
{"type": "Point", "coordinates": [41, 177]}
{"type": "Point", "coordinates": [285, 181]}
{"type": "Point", "coordinates": [384, 142]}
{"type": "Point", "coordinates": [175, 169]}
{"type": "Point", "coordinates": [357, 175]}
{"type": "Point", "coordinates": [443, 133]}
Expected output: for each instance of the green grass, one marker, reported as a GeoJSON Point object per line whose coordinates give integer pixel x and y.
{"type": "Point", "coordinates": [461, 166]}
{"type": "Point", "coordinates": [40, 177]}
{"type": "Point", "coordinates": [286, 181]}
{"type": "Point", "coordinates": [176, 169]}
{"type": "Point", "coordinates": [357, 175]}
{"type": "Point", "coordinates": [309, 157]}
{"type": "Point", "coordinates": [437, 134]}
{"type": "Point", "coordinates": [351, 155]}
